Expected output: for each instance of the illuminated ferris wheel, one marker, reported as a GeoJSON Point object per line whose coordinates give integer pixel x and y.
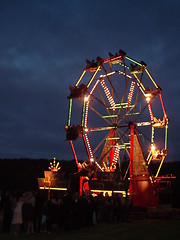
{"type": "Point", "coordinates": [112, 98]}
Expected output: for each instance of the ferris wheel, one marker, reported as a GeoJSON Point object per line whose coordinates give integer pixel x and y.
{"type": "Point", "coordinates": [111, 97]}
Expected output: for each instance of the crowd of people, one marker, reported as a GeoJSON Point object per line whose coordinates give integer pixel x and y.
{"type": "Point", "coordinates": [31, 212]}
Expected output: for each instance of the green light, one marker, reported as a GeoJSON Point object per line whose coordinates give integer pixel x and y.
{"type": "Point", "coordinates": [70, 109]}
{"type": "Point", "coordinates": [124, 65]}
{"type": "Point", "coordinates": [83, 113]}
{"type": "Point", "coordinates": [120, 106]}
{"type": "Point", "coordinates": [132, 60]}
{"type": "Point", "coordinates": [140, 134]}
{"type": "Point", "coordinates": [130, 114]}
{"type": "Point", "coordinates": [124, 146]}
{"type": "Point", "coordinates": [115, 138]}
{"type": "Point", "coordinates": [110, 116]}
{"type": "Point", "coordinates": [166, 137]}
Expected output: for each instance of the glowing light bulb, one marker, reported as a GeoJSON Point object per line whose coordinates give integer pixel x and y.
{"type": "Point", "coordinates": [86, 98]}
{"type": "Point", "coordinates": [148, 99]}
{"type": "Point", "coordinates": [153, 147]}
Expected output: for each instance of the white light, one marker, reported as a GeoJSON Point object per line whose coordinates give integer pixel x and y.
{"type": "Point", "coordinates": [86, 129]}
{"type": "Point", "coordinates": [153, 147]}
{"type": "Point", "coordinates": [148, 95]}
{"type": "Point", "coordinates": [92, 159]}
{"type": "Point", "coordinates": [86, 98]}
{"type": "Point", "coordinates": [148, 99]}
{"type": "Point", "coordinates": [108, 95]}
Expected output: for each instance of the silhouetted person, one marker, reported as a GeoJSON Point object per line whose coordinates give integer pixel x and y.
{"type": "Point", "coordinates": [17, 219]}
{"type": "Point", "coordinates": [38, 211]}
{"type": "Point", "coordinates": [67, 211]}
{"type": "Point", "coordinates": [7, 212]}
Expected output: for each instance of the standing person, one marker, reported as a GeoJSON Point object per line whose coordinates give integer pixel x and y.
{"type": "Point", "coordinates": [30, 213]}
{"type": "Point", "coordinates": [67, 211]}
{"type": "Point", "coordinates": [38, 211]}
{"type": "Point", "coordinates": [17, 215]}
{"type": "Point", "coordinates": [6, 205]}
{"type": "Point", "coordinates": [76, 211]}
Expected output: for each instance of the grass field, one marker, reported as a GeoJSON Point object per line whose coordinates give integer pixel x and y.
{"type": "Point", "coordinates": [145, 230]}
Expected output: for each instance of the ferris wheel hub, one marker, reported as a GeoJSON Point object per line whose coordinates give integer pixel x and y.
{"type": "Point", "coordinates": [114, 126]}
{"type": "Point", "coordinates": [130, 123]}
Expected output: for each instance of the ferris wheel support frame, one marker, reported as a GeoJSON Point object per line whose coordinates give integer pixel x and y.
{"type": "Point", "coordinates": [94, 69]}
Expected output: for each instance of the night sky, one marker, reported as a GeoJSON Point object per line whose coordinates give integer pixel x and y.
{"type": "Point", "coordinates": [43, 48]}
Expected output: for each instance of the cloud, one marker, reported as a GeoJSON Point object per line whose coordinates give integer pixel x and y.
{"type": "Point", "coordinates": [44, 45]}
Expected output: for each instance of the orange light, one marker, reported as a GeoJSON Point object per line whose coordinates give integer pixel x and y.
{"type": "Point", "coordinates": [53, 166]}
{"type": "Point", "coordinates": [153, 147]}
{"type": "Point", "coordinates": [54, 188]}
{"type": "Point", "coordinates": [86, 98]}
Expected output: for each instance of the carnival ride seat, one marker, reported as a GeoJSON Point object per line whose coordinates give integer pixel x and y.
{"type": "Point", "coordinates": [158, 123]}
{"type": "Point", "coordinates": [73, 132]}
{"type": "Point", "coordinates": [136, 69]}
{"type": "Point", "coordinates": [158, 154]}
{"type": "Point", "coordinates": [77, 92]}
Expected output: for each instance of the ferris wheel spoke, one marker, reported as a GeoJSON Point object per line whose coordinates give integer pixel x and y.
{"type": "Point", "coordinates": [126, 171]}
{"type": "Point", "coordinates": [133, 111]}
{"type": "Point", "coordinates": [119, 130]}
{"type": "Point", "coordinates": [126, 87]}
{"type": "Point", "coordinates": [123, 134]}
{"type": "Point", "coordinates": [127, 113]}
{"type": "Point", "coordinates": [122, 99]}
{"type": "Point", "coordinates": [103, 101]}
{"type": "Point", "coordinates": [125, 150]}
{"type": "Point", "coordinates": [149, 140]}
{"type": "Point", "coordinates": [137, 95]}
{"type": "Point", "coordinates": [99, 101]}
{"type": "Point", "coordinates": [101, 116]}
{"type": "Point", "coordinates": [145, 107]}
{"type": "Point", "coordinates": [105, 154]}
{"type": "Point", "coordinates": [120, 137]}
{"type": "Point", "coordinates": [99, 145]}
{"type": "Point", "coordinates": [115, 93]}
{"type": "Point", "coordinates": [107, 128]}
{"type": "Point", "coordinates": [111, 85]}
{"type": "Point", "coordinates": [126, 81]}
{"type": "Point", "coordinates": [121, 104]}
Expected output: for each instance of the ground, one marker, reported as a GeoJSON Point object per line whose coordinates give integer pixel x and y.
{"type": "Point", "coordinates": [144, 229]}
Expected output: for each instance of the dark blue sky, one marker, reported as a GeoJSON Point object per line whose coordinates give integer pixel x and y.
{"type": "Point", "coordinates": [43, 48]}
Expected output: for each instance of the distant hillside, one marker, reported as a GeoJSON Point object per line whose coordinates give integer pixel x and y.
{"type": "Point", "coordinates": [23, 173]}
